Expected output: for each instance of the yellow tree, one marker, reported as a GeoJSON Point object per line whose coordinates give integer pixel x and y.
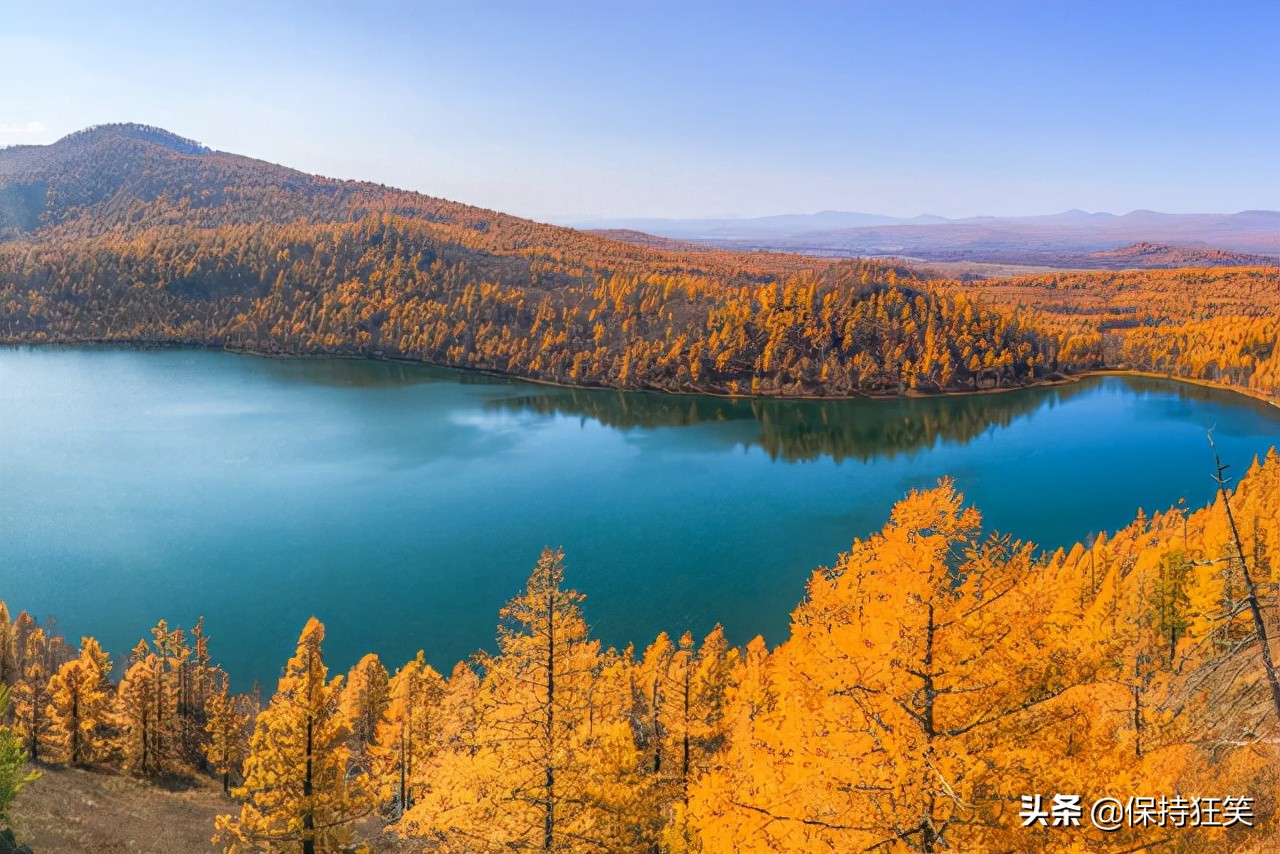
{"type": "Point", "coordinates": [197, 681]}
{"type": "Point", "coordinates": [8, 648]}
{"type": "Point", "coordinates": [80, 704]}
{"type": "Point", "coordinates": [139, 694]}
{"type": "Point", "coordinates": [454, 773]}
{"type": "Point", "coordinates": [900, 707]}
{"type": "Point", "coordinates": [703, 702]}
{"type": "Point", "coordinates": [678, 718]}
{"type": "Point", "coordinates": [363, 699]}
{"type": "Point", "coordinates": [697, 725]}
{"type": "Point", "coordinates": [408, 733]}
{"type": "Point", "coordinates": [173, 655]}
{"type": "Point", "coordinates": [625, 793]}
{"type": "Point", "coordinates": [227, 728]}
{"type": "Point", "coordinates": [31, 693]}
{"type": "Point", "coordinates": [523, 778]}
{"type": "Point", "coordinates": [300, 791]}
{"type": "Point", "coordinates": [655, 702]}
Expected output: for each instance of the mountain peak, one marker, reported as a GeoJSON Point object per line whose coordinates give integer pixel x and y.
{"type": "Point", "coordinates": [140, 132]}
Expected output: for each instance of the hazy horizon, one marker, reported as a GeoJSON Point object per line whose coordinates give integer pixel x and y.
{"type": "Point", "coordinates": [577, 111]}
{"type": "Point", "coordinates": [907, 218]}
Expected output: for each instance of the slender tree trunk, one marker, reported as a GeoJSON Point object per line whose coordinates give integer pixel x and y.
{"type": "Point", "coordinates": [684, 745]}
{"type": "Point", "coordinates": [404, 806]}
{"type": "Point", "coordinates": [1137, 720]}
{"type": "Point", "coordinates": [157, 731]}
{"type": "Point", "coordinates": [308, 816]}
{"type": "Point", "coordinates": [1251, 591]}
{"type": "Point", "coordinates": [75, 729]}
{"type": "Point", "coordinates": [549, 817]}
{"type": "Point", "coordinates": [657, 732]}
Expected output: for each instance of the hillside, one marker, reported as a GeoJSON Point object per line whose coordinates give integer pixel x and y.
{"type": "Point", "coordinates": [92, 810]}
{"type": "Point", "coordinates": [146, 238]}
{"type": "Point", "coordinates": [85, 811]}
{"type": "Point", "coordinates": [128, 179]}
{"type": "Point", "coordinates": [133, 235]}
{"type": "Point", "coordinates": [1143, 254]}
{"type": "Point", "coordinates": [1219, 325]}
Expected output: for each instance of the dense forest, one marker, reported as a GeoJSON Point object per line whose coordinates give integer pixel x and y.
{"type": "Point", "coordinates": [130, 234]}
{"type": "Point", "coordinates": [133, 235]}
{"type": "Point", "coordinates": [933, 677]}
{"type": "Point", "coordinates": [1213, 325]}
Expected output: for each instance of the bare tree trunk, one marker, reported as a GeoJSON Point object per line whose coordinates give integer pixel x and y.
{"type": "Point", "coordinates": [1251, 590]}
{"type": "Point", "coordinates": [549, 818]}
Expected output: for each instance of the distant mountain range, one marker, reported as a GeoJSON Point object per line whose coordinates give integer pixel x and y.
{"type": "Point", "coordinates": [783, 225]}
{"type": "Point", "coordinates": [1074, 238]}
{"type": "Point", "coordinates": [133, 177]}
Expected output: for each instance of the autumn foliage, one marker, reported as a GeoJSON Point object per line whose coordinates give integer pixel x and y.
{"type": "Point", "coordinates": [932, 677]}
{"type": "Point", "coordinates": [131, 234]}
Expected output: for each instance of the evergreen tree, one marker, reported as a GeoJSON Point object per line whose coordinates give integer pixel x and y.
{"type": "Point", "coordinates": [13, 773]}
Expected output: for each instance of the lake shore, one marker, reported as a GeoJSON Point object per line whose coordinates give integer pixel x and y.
{"type": "Point", "coordinates": [187, 482]}
{"type": "Point", "coordinates": [1056, 380]}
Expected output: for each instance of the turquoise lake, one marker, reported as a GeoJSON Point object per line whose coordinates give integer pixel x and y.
{"type": "Point", "coordinates": [404, 505]}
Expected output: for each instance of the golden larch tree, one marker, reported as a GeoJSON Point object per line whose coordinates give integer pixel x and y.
{"type": "Point", "coordinates": [523, 776]}
{"type": "Point", "coordinates": [896, 711]}
{"type": "Point", "coordinates": [139, 738]}
{"type": "Point", "coordinates": [31, 693]}
{"type": "Point", "coordinates": [408, 734]}
{"type": "Point", "coordinates": [300, 791]}
{"type": "Point", "coordinates": [80, 700]}
{"type": "Point", "coordinates": [227, 728]}
{"type": "Point", "coordinates": [363, 699]}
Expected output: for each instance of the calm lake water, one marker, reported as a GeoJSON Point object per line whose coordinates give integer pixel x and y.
{"type": "Point", "coordinates": [404, 505]}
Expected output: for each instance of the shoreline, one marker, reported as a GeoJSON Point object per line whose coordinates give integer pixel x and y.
{"type": "Point", "coordinates": [1061, 379]}
{"type": "Point", "coordinates": [1156, 375]}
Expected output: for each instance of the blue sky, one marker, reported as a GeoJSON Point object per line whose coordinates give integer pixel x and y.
{"type": "Point", "coordinates": [563, 110]}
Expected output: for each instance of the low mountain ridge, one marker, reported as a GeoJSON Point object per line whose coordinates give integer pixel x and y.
{"type": "Point", "coordinates": [1066, 239]}
{"type": "Point", "coordinates": [131, 234]}
{"type": "Point", "coordinates": [1154, 255]}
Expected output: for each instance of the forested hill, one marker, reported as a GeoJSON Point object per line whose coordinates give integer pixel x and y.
{"type": "Point", "coordinates": [132, 234]}
{"type": "Point", "coordinates": [128, 179]}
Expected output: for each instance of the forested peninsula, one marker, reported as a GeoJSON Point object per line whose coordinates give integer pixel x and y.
{"type": "Point", "coordinates": [130, 234]}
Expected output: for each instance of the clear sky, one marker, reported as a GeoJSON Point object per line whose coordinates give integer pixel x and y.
{"type": "Point", "coordinates": [563, 110]}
